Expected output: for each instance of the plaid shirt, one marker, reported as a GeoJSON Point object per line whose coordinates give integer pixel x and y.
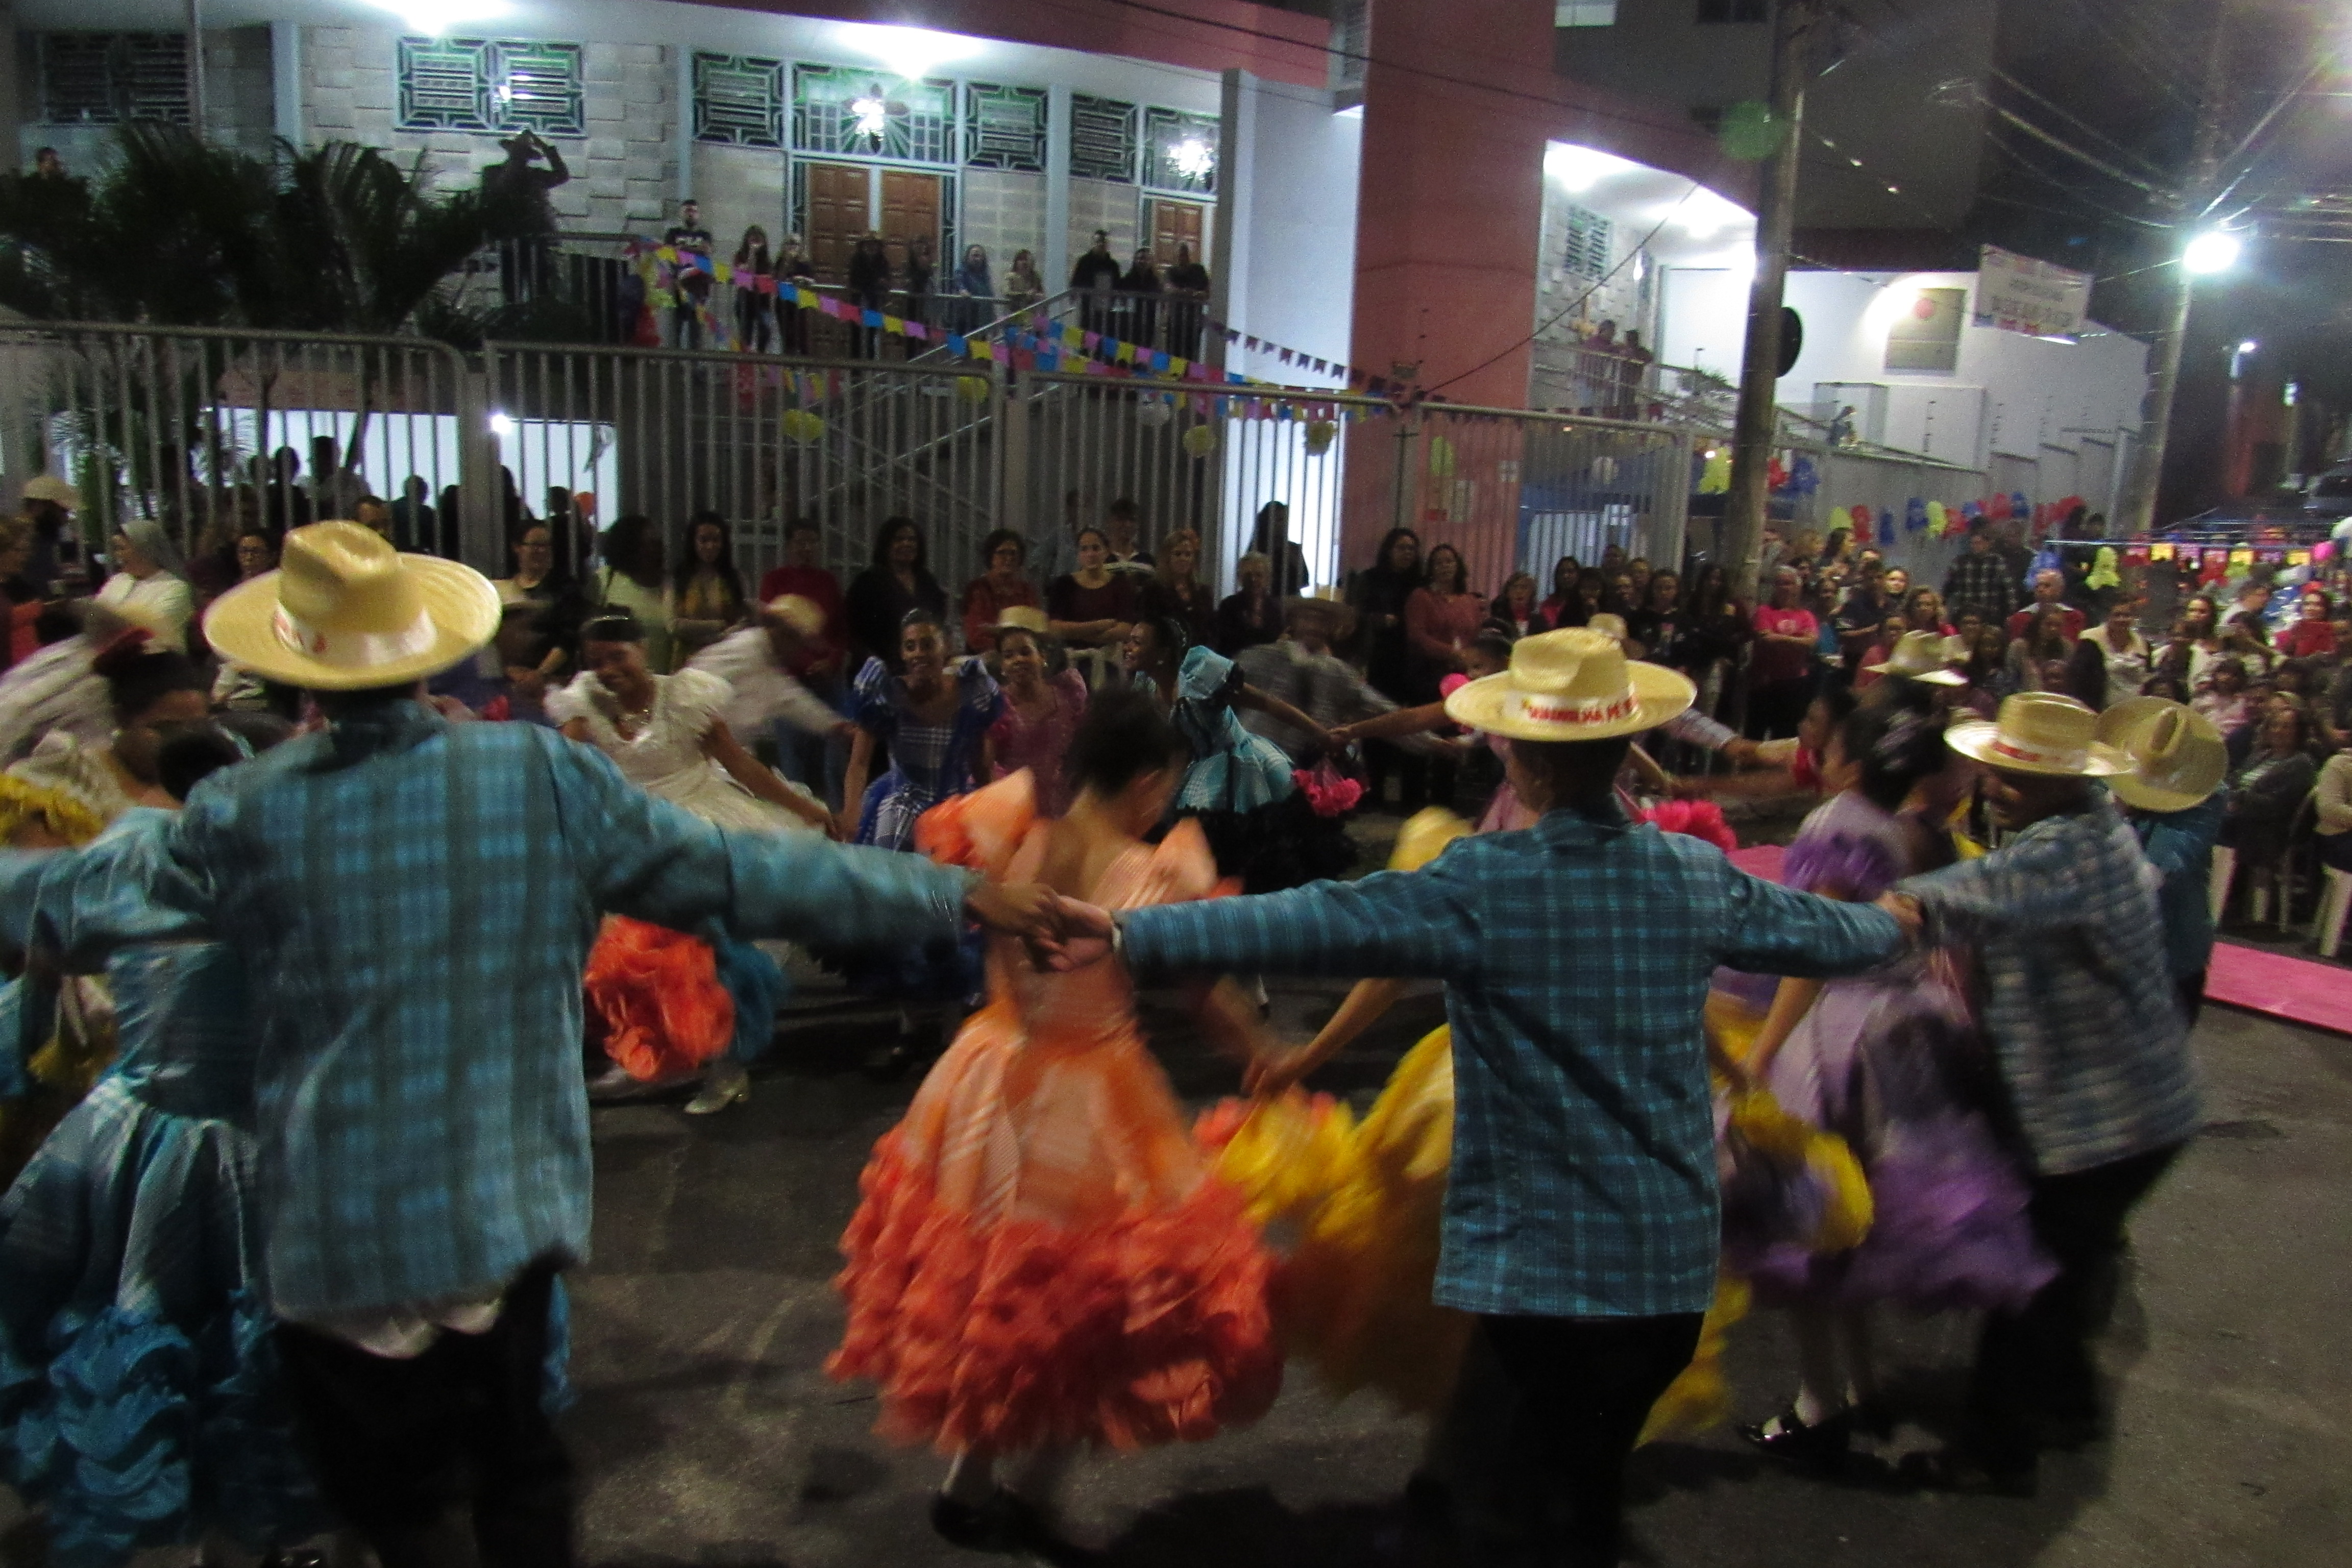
{"type": "Point", "coordinates": [1981, 582]}
{"type": "Point", "coordinates": [1575, 957]}
{"type": "Point", "coordinates": [413, 903]}
{"type": "Point", "coordinates": [2079, 998]}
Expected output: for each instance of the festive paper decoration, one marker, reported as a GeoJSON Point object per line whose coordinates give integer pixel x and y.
{"type": "Point", "coordinates": [1441, 458]}
{"type": "Point", "coordinates": [973, 388]}
{"type": "Point", "coordinates": [1155, 412]}
{"type": "Point", "coordinates": [1200, 440]}
{"type": "Point", "coordinates": [2160, 551]}
{"type": "Point", "coordinates": [1319, 433]}
{"type": "Point", "coordinates": [2103, 574]}
{"type": "Point", "coordinates": [2299, 557]}
{"type": "Point", "coordinates": [1804, 475]}
{"type": "Point", "coordinates": [1938, 519]}
{"type": "Point", "coordinates": [1715, 478]}
{"type": "Point", "coordinates": [1885, 526]}
{"type": "Point", "coordinates": [1915, 515]}
{"type": "Point", "coordinates": [802, 426]}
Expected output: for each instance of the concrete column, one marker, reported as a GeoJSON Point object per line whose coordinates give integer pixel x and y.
{"type": "Point", "coordinates": [286, 82]}
{"type": "Point", "coordinates": [13, 110]}
{"type": "Point", "coordinates": [1057, 188]}
{"type": "Point", "coordinates": [1229, 244]}
{"type": "Point", "coordinates": [683, 104]}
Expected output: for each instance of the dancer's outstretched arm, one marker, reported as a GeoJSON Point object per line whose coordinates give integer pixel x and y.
{"type": "Point", "coordinates": [1274, 1072]}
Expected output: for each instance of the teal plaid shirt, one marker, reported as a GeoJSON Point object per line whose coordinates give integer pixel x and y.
{"type": "Point", "coordinates": [1575, 957]}
{"type": "Point", "coordinates": [413, 903]}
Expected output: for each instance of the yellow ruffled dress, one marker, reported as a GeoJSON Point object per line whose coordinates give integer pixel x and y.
{"type": "Point", "coordinates": [1361, 1205]}
{"type": "Point", "coordinates": [59, 1034]}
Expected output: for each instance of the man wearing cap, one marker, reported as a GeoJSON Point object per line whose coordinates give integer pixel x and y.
{"type": "Point", "coordinates": [2174, 800]}
{"type": "Point", "coordinates": [49, 503]}
{"type": "Point", "coordinates": [1581, 1214]}
{"type": "Point", "coordinates": [2091, 1045]}
{"type": "Point", "coordinates": [415, 901]}
{"type": "Point", "coordinates": [756, 662]}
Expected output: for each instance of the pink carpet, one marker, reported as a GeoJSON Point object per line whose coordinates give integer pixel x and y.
{"type": "Point", "coordinates": [2299, 990]}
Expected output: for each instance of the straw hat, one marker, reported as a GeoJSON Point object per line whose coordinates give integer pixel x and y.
{"type": "Point", "coordinates": [344, 612]}
{"type": "Point", "coordinates": [2040, 733]}
{"type": "Point", "coordinates": [1574, 685]}
{"type": "Point", "coordinates": [1342, 615]}
{"type": "Point", "coordinates": [1921, 656]}
{"type": "Point", "coordinates": [801, 615]}
{"type": "Point", "coordinates": [2177, 755]}
{"type": "Point", "coordinates": [1607, 626]}
{"type": "Point", "coordinates": [1021, 618]}
{"type": "Point", "coordinates": [50, 488]}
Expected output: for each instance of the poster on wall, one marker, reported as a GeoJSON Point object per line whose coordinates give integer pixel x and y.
{"type": "Point", "coordinates": [2018, 294]}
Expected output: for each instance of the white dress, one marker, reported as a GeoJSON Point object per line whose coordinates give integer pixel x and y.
{"type": "Point", "coordinates": [666, 758]}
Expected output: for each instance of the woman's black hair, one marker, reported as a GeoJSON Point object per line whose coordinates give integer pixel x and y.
{"type": "Point", "coordinates": [1896, 746]}
{"type": "Point", "coordinates": [1461, 566]}
{"type": "Point", "coordinates": [139, 675]}
{"type": "Point", "coordinates": [1102, 534]}
{"type": "Point", "coordinates": [689, 560]}
{"type": "Point", "coordinates": [618, 625]}
{"type": "Point", "coordinates": [1495, 645]}
{"type": "Point", "coordinates": [996, 541]}
{"type": "Point", "coordinates": [882, 536]}
{"type": "Point", "coordinates": [1389, 543]}
{"type": "Point", "coordinates": [191, 753]}
{"type": "Point", "coordinates": [1123, 734]}
{"type": "Point", "coordinates": [1170, 633]}
{"type": "Point", "coordinates": [1262, 538]}
{"type": "Point", "coordinates": [630, 546]}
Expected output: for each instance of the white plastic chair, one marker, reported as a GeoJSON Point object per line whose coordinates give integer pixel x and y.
{"type": "Point", "coordinates": [2335, 905]}
{"type": "Point", "coordinates": [2216, 886]}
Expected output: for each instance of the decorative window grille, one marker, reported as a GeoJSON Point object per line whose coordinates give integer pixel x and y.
{"type": "Point", "coordinates": [1181, 152]}
{"type": "Point", "coordinates": [1351, 43]}
{"type": "Point", "coordinates": [1004, 127]}
{"type": "Point", "coordinates": [1735, 10]}
{"type": "Point", "coordinates": [1586, 253]}
{"type": "Point", "coordinates": [1584, 14]}
{"type": "Point", "coordinates": [104, 78]}
{"type": "Point", "coordinates": [1102, 138]}
{"type": "Point", "coordinates": [738, 99]}
{"type": "Point", "coordinates": [492, 85]}
{"type": "Point", "coordinates": [847, 112]}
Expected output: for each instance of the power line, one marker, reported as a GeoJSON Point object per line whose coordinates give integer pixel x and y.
{"type": "Point", "coordinates": [2136, 156]}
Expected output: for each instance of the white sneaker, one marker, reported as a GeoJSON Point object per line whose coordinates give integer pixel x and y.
{"type": "Point", "coordinates": [722, 1086]}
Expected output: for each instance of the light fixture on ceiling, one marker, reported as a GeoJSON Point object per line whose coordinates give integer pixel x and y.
{"type": "Point", "coordinates": [431, 18]}
{"type": "Point", "coordinates": [1193, 158]}
{"type": "Point", "coordinates": [1579, 169]}
{"type": "Point", "coordinates": [2215, 250]}
{"type": "Point", "coordinates": [870, 116]}
{"type": "Point", "coordinates": [911, 52]}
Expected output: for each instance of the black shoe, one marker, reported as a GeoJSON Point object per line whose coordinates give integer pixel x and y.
{"type": "Point", "coordinates": [1820, 1446]}
{"type": "Point", "coordinates": [1958, 1470]}
{"type": "Point", "coordinates": [1005, 1524]}
{"type": "Point", "coordinates": [1428, 1501]}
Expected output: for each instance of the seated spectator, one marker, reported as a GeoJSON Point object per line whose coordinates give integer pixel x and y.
{"type": "Point", "coordinates": [2253, 604]}
{"type": "Point", "coordinates": [707, 596]}
{"type": "Point", "coordinates": [2037, 657]}
{"type": "Point", "coordinates": [1123, 525]}
{"type": "Point", "coordinates": [2312, 635]}
{"type": "Point", "coordinates": [2049, 591]}
{"type": "Point", "coordinates": [1176, 593]}
{"type": "Point", "coordinates": [1565, 576]}
{"type": "Point", "coordinates": [1987, 671]}
{"type": "Point", "coordinates": [148, 586]}
{"type": "Point", "coordinates": [2224, 699]}
{"type": "Point", "coordinates": [1094, 607]}
{"type": "Point", "coordinates": [1003, 586]}
{"type": "Point", "coordinates": [801, 575]}
{"type": "Point", "coordinates": [1658, 624]}
{"type": "Point", "coordinates": [2166, 685]}
{"type": "Point", "coordinates": [1923, 609]}
{"type": "Point", "coordinates": [1251, 615]}
{"type": "Point", "coordinates": [1590, 599]}
{"type": "Point", "coordinates": [2124, 655]}
{"type": "Point", "coordinates": [2332, 803]}
{"type": "Point", "coordinates": [1514, 612]}
{"type": "Point", "coordinates": [1862, 615]}
{"type": "Point", "coordinates": [2268, 787]}
{"type": "Point", "coordinates": [2196, 641]}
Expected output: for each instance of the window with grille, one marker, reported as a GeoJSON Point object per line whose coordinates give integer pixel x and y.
{"type": "Point", "coordinates": [1586, 253]}
{"type": "Point", "coordinates": [492, 84]}
{"type": "Point", "coordinates": [104, 78]}
{"type": "Point", "coordinates": [1102, 138]}
{"type": "Point", "coordinates": [738, 99]}
{"type": "Point", "coordinates": [1004, 127]}
{"type": "Point", "coordinates": [1735, 10]}
{"type": "Point", "coordinates": [858, 113]}
{"type": "Point", "coordinates": [1181, 152]}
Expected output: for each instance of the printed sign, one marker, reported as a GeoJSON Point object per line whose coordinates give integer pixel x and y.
{"type": "Point", "coordinates": [2018, 294]}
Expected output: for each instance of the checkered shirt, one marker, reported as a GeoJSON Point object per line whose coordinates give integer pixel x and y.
{"type": "Point", "coordinates": [1981, 582]}
{"type": "Point", "coordinates": [413, 903]}
{"type": "Point", "coordinates": [1575, 957]}
{"type": "Point", "coordinates": [2079, 998]}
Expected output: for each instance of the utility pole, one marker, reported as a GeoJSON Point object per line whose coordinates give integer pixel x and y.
{"type": "Point", "coordinates": [195, 58]}
{"type": "Point", "coordinates": [1760, 367]}
{"type": "Point", "coordinates": [2138, 513]}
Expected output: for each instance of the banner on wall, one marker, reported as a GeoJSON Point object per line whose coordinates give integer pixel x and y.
{"type": "Point", "coordinates": [2018, 294]}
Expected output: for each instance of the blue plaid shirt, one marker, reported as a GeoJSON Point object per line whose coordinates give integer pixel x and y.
{"type": "Point", "coordinates": [2079, 998]}
{"type": "Point", "coordinates": [413, 903]}
{"type": "Point", "coordinates": [1576, 956]}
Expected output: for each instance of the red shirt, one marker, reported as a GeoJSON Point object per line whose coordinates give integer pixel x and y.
{"type": "Point", "coordinates": [822, 588]}
{"type": "Point", "coordinates": [2307, 639]}
{"type": "Point", "coordinates": [1772, 664]}
{"type": "Point", "coordinates": [2070, 625]}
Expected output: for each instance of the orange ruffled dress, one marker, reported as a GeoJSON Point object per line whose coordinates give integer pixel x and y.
{"type": "Point", "coordinates": [1041, 1255]}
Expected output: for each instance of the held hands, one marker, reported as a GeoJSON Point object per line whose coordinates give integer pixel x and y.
{"type": "Point", "coordinates": [1906, 913]}
{"type": "Point", "coordinates": [1272, 1072]}
{"type": "Point", "coordinates": [1084, 937]}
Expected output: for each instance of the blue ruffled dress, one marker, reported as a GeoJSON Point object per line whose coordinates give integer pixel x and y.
{"type": "Point", "coordinates": [137, 1373]}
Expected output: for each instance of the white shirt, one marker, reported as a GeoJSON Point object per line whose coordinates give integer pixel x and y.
{"type": "Point", "coordinates": [162, 604]}
{"type": "Point", "coordinates": [2127, 669]}
{"type": "Point", "coordinates": [760, 690]}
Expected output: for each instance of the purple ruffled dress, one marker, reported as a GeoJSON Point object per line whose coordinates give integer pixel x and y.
{"type": "Point", "coordinates": [1891, 1061]}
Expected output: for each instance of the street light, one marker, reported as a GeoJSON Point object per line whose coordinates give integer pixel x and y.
{"type": "Point", "coordinates": [2210, 252]}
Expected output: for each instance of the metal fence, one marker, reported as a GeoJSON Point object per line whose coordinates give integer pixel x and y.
{"type": "Point", "coordinates": [206, 430]}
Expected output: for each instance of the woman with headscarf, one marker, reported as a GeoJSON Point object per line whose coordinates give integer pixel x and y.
{"type": "Point", "coordinates": [149, 585]}
{"type": "Point", "coordinates": [979, 290]}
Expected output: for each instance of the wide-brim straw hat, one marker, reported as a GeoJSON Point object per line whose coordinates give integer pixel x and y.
{"type": "Point", "coordinates": [1920, 656]}
{"type": "Point", "coordinates": [1021, 618]}
{"type": "Point", "coordinates": [344, 611]}
{"type": "Point", "coordinates": [1341, 614]}
{"type": "Point", "coordinates": [2040, 733]}
{"type": "Point", "coordinates": [802, 615]}
{"type": "Point", "coordinates": [1607, 626]}
{"type": "Point", "coordinates": [51, 489]}
{"type": "Point", "coordinates": [1573, 685]}
{"type": "Point", "coordinates": [2178, 758]}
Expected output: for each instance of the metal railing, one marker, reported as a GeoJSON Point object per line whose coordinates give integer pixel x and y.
{"type": "Point", "coordinates": [183, 425]}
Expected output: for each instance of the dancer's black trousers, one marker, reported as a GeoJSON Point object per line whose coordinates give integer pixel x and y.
{"type": "Point", "coordinates": [1549, 1409]}
{"type": "Point", "coordinates": [445, 1460]}
{"type": "Point", "coordinates": [2034, 1367]}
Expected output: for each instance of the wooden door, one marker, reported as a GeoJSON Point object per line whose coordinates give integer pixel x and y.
{"type": "Point", "coordinates": [910, 210]}
{"type": "Point", "coordinates": [839, 209]}
{"type": "Point", "coordinates": [1174, 223]}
